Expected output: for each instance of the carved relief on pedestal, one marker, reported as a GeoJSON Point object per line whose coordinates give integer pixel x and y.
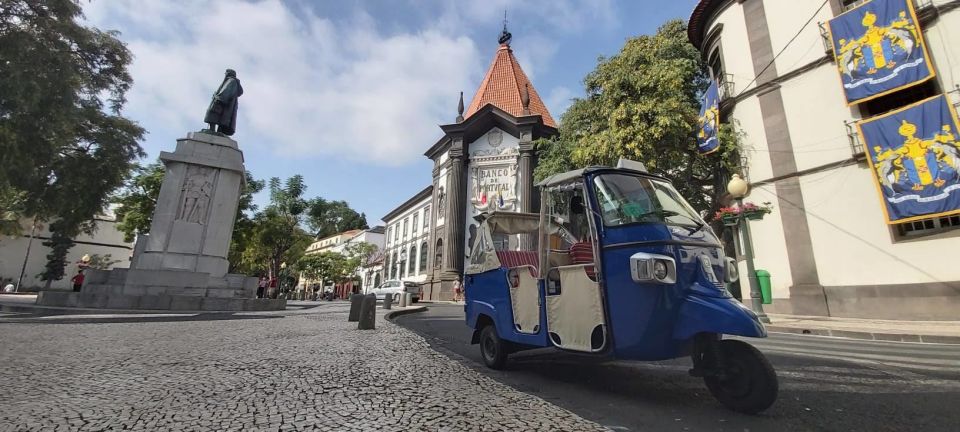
{"type": "Point", "coordinates": [195, 194]}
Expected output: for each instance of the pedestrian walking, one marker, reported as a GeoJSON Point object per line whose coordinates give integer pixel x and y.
{"type": "Point", "coordinates": [261, 286]}
{"type": "Point", "coordinates": [458, 290]}
{"type": "Point", "coordinates": [77, 280]}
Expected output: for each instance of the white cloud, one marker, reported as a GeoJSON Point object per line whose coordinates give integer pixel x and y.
{"type": "Point", "coordinates": [311, 86]}
{"type": "Point", "coordinates": [558, 101]}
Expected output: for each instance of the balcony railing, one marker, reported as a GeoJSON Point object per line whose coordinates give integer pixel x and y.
{"type": "Point", "coordinates": [725, 86]}
{"type": "Point", "coordinates": [856, 144]}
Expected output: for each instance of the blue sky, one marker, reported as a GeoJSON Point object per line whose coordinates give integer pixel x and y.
{"type": "Point", "coordinates": [349, 93]}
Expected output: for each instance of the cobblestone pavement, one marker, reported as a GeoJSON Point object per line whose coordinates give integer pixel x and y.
{"type": "Point", "coordinates": [298, 371]}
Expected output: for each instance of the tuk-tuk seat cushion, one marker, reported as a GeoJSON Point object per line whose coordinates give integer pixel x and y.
{"type": "Point", "coordinates": [511, 259]}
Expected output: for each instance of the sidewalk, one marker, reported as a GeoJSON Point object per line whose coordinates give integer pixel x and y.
{"type": "Point", "coordinates": [310, 369]}
{"type": "Point", "coordinates": [947, 332]}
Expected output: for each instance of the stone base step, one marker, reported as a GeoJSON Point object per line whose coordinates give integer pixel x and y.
{"type": "Point", "coordinates": [102, 300]}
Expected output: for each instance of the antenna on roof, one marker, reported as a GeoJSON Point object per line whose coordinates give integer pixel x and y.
{"type": "Point", "coordinates": [460, 109]}
{"type": "Point", "coordinates": [505, 36]}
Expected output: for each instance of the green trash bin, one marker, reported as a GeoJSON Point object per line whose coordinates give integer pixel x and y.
{"type": "Point", "coordinates": [763, 278]}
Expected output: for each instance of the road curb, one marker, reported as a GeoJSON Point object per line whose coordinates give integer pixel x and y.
{"type": "Point", "coordinates": [883, 337]}
{"type": "Point", "coordinates": [393, 314]}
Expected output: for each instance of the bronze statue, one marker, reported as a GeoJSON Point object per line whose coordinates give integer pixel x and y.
{"type": "Point", "coordinates": [222, 113]}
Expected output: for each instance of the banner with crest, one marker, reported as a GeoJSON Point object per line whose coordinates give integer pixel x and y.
{"type": "Point", "coordinates": [709, 121]}
{"type": "Point", "coordinates": [915, 159]}
{"type": "Point", "coordinates": [879, 49]}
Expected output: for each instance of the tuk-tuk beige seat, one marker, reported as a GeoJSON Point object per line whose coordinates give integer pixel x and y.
{"type": "Point", "coordinates": [525, 300]}
{"type": "Point", "coordinates": [575, 312]}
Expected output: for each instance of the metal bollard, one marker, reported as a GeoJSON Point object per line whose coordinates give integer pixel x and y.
{"type": "Point", "coordinates": [368, 312]}
{"type": "Point", "coordinates": [387, 299]}
{"type": "Point", "coordinates": [403, 299]}
{"type": "Point", "coordinates": [409, 299]}
{"type": "Point", "coordinates": [355, 300]}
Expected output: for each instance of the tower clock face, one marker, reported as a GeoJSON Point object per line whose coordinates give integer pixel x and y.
{"type": "Point", "coordinates": [495, 138]}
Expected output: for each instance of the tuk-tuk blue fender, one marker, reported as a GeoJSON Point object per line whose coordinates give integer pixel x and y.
{"type": "Point", "coordinates": [716, 315]}
{"type": "Point", "coordinates": [475, 309]}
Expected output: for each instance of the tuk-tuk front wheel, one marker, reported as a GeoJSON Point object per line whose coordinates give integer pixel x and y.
{"type": "Point", "coordinates": [747, 383]}
{"type": "Point", "coordinates": [492, 348]}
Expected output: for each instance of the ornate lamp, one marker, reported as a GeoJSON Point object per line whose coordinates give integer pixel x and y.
{"type": "Point", "coordinates": [738, 188]}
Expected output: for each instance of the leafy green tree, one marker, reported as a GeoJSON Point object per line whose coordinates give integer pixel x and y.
{"type": "Point", "coordinates": [63, 142]}
{"type": "Point", "coordinates": [326, 266]}
{"type": "Point", "coordinates": [11, 211]}
{"type": "Point", "coordinates": [643, 104]}
{"type": "Point", "coordinates": [278, 236]}
{"type": "Point", "coordinates": [101, 262]}
{"type": "Point", "coordinates": [136, 203]}
{"type": "Point", "coordinates": [327, 218]}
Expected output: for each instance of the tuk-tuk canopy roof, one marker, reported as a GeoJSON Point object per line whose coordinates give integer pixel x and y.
{"type": "Point", "coordinates": [566, 177]}
{"type": "Point", "coordinates": [511, 222]}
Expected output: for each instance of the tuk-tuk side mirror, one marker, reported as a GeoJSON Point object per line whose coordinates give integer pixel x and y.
{"type": "Point", "coordinates": [645, 267]}
{"type": "Point", "coordinates": [731, 273]}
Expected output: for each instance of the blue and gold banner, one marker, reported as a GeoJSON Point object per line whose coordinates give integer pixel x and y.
{"type": "Point", "coordinates": [879, 49]}
{"type": "Point", "coordinates": [915, 158]}
{"type": "Point", "coordinates": [709, 122]}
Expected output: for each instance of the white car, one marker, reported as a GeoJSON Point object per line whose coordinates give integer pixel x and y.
{"type": "Point", "coordinates": [395, 287]}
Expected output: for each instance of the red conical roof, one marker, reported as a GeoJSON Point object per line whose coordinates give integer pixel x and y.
{"type": "Point", "coordinates": [503, 87]}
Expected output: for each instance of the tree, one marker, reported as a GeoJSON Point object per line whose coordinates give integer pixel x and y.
{"type": "Point", "coordinates": [278, 235]}
{"type": "Point", "coordinates": [138, 201]}
{"type": "Point", "coordinates": [65, 145]}
{"type": "Point", "coordinates": [11, 211]}
{"type": "Point", "coordinates": [326, 266]}
{"type": "Point", "coordinates": [643, 104]}
{"type": "Point", "coordinates": [327, 218]}
{"type": "Point", "coordinates": [100, 262]}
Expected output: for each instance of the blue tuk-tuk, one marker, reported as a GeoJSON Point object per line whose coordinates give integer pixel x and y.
{"type": "Point", "coordinates": [617, 264]}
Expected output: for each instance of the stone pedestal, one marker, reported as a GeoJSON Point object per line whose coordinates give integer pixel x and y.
{"type": "Point", "coordinates": [182, 264]}
{"type": "Point", "coordinates": [194, 217]}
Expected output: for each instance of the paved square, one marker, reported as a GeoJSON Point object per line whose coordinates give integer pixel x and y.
{"type": "Point", "coordinates": [292, 371]}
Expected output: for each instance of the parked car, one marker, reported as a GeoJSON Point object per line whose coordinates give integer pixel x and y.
{"type": "Point", "coordinates": [395, 287]}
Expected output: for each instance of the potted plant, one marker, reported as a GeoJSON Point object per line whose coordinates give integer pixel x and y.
{"type": "Point", "coordinates": [731, 215]}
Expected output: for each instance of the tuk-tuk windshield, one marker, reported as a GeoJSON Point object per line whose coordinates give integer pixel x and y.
{"type": "Point", "coordinates": [626, 199]}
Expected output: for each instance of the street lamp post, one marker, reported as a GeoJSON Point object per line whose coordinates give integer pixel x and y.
{"type": "Point", "coordinates": [738, 188]}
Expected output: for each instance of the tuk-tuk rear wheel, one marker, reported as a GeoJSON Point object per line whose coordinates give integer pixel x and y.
{"type": "Point", "coordinates": [492, 349]}
{"type": "Point", "coordinates": [748, 383]}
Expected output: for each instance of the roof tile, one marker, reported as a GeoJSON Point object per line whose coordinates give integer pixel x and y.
{"type": "Point", "coordinates": [503, 87]}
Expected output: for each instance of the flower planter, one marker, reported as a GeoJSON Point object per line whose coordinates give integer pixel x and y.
{"type": "Point", "coordinates": [730, 220]}
{"type": "Point", "coordinates": [754, 215]}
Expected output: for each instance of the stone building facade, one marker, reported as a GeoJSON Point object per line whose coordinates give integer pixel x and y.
{"type": "Point", "coordinates": [827, 245]}
{"type": "Point", "coordinates": [483, 162]}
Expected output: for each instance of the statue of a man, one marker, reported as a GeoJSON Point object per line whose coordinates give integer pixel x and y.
{"type": "Point", "coordinates": [222, 113]}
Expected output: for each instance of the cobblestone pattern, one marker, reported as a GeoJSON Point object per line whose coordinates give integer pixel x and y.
{"type": "Point", "coordinates": [295, 372]}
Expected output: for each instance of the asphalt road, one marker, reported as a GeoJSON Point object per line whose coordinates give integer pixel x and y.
{"type": "Point", "coordinates": [829, 384]}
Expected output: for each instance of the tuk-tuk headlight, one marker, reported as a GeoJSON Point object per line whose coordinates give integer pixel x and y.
{"type": "Point", "coordinates": [646, 267]}
{"type": "Point", "coordinates": [660, 269]}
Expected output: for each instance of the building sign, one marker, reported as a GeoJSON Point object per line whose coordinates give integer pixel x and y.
{"type": "Point", "coordinates": [879, 49]}
{"type": "Point", "coordinates": [494, 187]}
{"type": "Point", "coordinates": [915, 159]}
{"type": "Point", "coordinates": [709, 120]}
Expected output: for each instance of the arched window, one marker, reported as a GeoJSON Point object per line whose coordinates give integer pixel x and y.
{"type": "Point", "coordinates": [438, 254]}
{"type": "Point", "coordinates": [411, 261]}
{"type": "Point", "coordinates": [423, 256]}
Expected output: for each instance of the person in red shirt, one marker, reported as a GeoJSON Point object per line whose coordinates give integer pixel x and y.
{"type": "Point", "coordinates": [77, 280]}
